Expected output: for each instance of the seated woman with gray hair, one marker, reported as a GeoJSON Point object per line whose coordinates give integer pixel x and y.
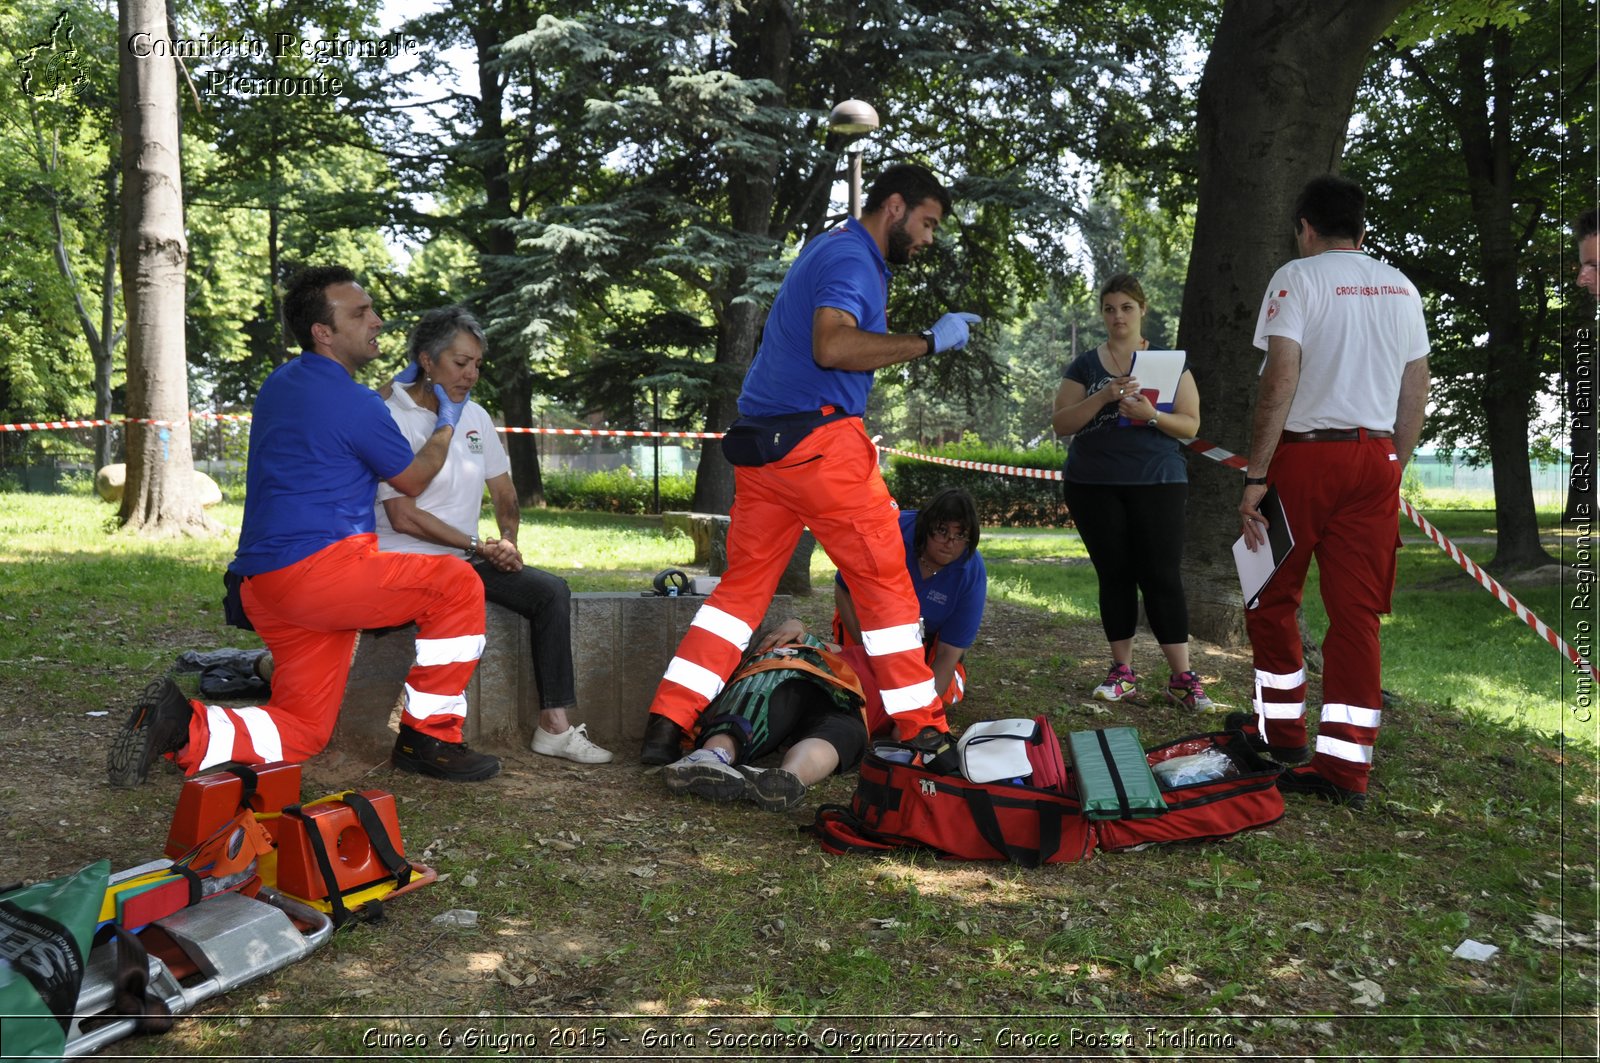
{"type": "Point", "coordinates": [447, 348]}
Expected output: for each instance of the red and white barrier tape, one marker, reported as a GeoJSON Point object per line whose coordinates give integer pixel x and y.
{"type": "Point", "coordinates": [46, 426]}
{"type": "Point", "coordinates": [629, 433]}
{"type": "Point", "coordinates": [1490, 584]}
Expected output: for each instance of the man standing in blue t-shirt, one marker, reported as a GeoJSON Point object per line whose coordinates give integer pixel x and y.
{"type": "Point", "coordinates": [825, 336]}
{"type": "Point", "coordinates": [309, 571]}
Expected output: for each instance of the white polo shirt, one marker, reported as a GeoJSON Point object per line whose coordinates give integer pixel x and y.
{"type": "Point", "coordinates": [1358, 322]}
{"type": "Point", "coordinates": [456, 495]}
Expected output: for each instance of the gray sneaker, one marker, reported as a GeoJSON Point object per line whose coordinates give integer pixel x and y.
{"type": "Point", "coordinates": [775, 790]}
{"type": "Point", "coordinates": [703, 774]}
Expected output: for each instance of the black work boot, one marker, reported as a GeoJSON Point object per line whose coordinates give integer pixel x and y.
{"type": "Point", "coordinates": [1307, 781]}
{"type": "Point", "coordinates": [425, 755]}
{"type": "Point", "coordinates": [1245, 723]}
{"type": "Point", "coordinates": [158, 724]}
{"type": "Point", "coordinates": [663, 741]}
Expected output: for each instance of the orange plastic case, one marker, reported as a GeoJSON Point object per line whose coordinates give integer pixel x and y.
{"type": "Point", "coordinates": [356, 864]}
{"type": "Point", "coordinates": [208, 801]}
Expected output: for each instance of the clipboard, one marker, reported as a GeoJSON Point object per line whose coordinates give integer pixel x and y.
{"type": "Point", "coordinates": [1158, 373]}
{"type": "Point", "coordinates": [1257, 567]}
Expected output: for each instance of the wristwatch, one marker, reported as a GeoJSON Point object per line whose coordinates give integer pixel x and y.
{"type": "Point", "coordinates": [472, 548]}
{"type": "Point", "coordinates": [1255, 481]}
{"type": "Point", "coordinates": [928, 335]}
{"type": "Point", "coordinates": [1154, 418]}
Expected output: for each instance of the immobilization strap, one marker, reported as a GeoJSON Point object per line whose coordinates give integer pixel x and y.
{"type": "Point", "coordinates": [377, 835]}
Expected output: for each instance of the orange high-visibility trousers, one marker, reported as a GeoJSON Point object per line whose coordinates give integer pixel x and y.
{"type": "Point", "coordinates": [1341, 501]}
{"type": "Point", "coordinates": [309, 614]}
{"type": "Point", "coordinates": [829, 483]}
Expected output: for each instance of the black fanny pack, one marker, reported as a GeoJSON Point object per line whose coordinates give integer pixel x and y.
{"type": "Point", "coordinates": [763, 440]}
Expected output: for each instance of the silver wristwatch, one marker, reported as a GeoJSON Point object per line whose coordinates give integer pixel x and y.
{"type": "Point", "coordinates": [472, 548]}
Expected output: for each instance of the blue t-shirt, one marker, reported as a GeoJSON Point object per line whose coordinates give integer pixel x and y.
{"type": "Point", "coordinates": [319, 444]}
{"type": "Point", "coordinates": [842, 269]}
{"type": "Point", "coordinates": [1103, 452]}
{"type": "Point", "coordinates": [952, 598]}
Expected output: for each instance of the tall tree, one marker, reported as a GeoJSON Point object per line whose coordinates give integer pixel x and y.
{"type": "Point", "coordinates": [1489, 88]}
{"type": "Point", "coordinates": [61, 116]}
{"type": "Point", "coordinates": [713, 159]}
{"type": "Point", "coordinates": [1274, 103]}
{"type": "Point", "coordinates": [159, 497]}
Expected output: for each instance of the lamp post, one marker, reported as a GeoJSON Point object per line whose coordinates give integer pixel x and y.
{"type": "Point", "coordinates": [853, 120]}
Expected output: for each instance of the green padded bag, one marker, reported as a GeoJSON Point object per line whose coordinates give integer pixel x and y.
{"type": "Point", "coordinates": [1113, 778]}
{"type": "Point", "coordinates": [46, 932]}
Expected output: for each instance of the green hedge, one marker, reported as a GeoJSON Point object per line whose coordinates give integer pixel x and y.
{"type": "Point", "coordinates": [1003, 500]}
{"type": "Point", "coordinates": [615, 491]}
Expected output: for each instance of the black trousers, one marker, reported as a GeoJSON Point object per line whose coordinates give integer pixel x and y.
{"type": "Point", "coordinates": [1134, 535]}
{"type": "Point", "coordinates": [546, 601]}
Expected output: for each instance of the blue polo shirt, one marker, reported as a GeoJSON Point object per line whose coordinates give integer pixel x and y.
{"type": "Point", "coordinates": [842, 269]}
{"type": "Point", "coordinates": [952, 599]}
{"type": "Point", "coordinates": [319, 444]}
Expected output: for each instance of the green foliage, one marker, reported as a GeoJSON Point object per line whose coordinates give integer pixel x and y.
{"type": "Point", "coordinates": [1006, 500]}
{"type": "Point", "coordinates": [616, 491]}
{"type": "Point", "coordinates": [58, 185]}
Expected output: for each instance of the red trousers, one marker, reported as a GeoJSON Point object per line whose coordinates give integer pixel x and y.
{"type": "Point", "coordinates": [309, 614]}
{"type": "Point", "coordinates": [829, 483]}
{"type": "Point", "coordinates": [1341, 502]}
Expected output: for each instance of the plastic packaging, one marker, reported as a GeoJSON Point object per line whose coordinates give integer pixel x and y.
{"type": "Point", "coordinates": [1207, 766]}
{"type": "Point", "coordinates": [893, 754]}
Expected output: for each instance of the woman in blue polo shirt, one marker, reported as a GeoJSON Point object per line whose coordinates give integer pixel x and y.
{"type": "Point", "coordinates": [951, 582]}
{"type": "Point", "coordinates": [1127, 486]}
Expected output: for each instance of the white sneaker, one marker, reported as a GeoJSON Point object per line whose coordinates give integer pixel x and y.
{"type": "Point", "coordinates": [704, 774]}
{"type": "Point", "coordinates": [573, 744]}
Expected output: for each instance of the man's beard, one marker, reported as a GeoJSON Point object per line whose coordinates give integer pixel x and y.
{"type": "Point", "coordinates": [899, 252]}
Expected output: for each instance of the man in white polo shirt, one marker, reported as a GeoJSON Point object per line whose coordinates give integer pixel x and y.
{"type": "Point", "coordinates": [1343, 390]}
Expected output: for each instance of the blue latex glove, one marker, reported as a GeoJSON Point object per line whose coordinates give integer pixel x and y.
{"type": "Point", "coordinates": [449, 412]}
{"type": "Point", "coordinates": [950, 333]}
{"type": "Point", "coordinates": [409, 374]}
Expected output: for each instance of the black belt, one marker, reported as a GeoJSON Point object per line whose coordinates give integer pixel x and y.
{"type": "Point", "coordinates": [1335, 435]}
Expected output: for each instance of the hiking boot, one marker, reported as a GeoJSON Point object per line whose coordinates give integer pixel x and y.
{"type": "Point", "coordinates": [1245, 722]}
{"type": "Point", "coordinates": [1307, 781]}
{"type": "Point", "coordinates": [159, 724]}
{"type": "Point", "coordinates": [571, 744]}
{"type": "Point", "coordinates": [775, 790]}
{"type": "Point", "coordinates": [423, 754]}
{"type": "Point", "coordinates": [663, 741]}
{"type": "Point", "coordinates": [1185, 689]}
{"type": "Point", "coordinates": [704, 774]}
{"type": "Point", "coordinates": [1120, 682]}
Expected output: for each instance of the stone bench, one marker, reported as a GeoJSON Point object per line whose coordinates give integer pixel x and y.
{"type": "Point", "coordinates": [621, 645]}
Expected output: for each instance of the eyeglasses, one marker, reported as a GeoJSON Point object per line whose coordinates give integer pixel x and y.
{"type": "Point", "coordinates": [950, 533]}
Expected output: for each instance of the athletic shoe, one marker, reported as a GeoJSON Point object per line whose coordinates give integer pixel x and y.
{"type": "Point", "coordinates": [775, 790]}
{"type": "Point", "coordinates": [1185, 689]}
{"type": "Point", "coordinates": [1307, 781]}
{"type": "Point", "coordinates": [426, 755]}
{"type": "Point", "coordinates": [1120, 682]}
{"type": "Point", "coordinates": [158, 724]}
{"type": "Point", "coordinates": [571, 744]}
{"type": "Point", "coordinates": [663, 741]}
{"type": "Point", "coordinates": [1245, 722]}
{"type": "Point", "coordinates": [703, 774]}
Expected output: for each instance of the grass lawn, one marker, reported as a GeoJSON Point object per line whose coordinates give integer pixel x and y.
{"type": "Point", "coordinates": [609, 910]}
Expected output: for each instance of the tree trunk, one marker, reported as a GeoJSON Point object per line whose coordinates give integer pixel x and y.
{"type": "Point", "coordinates": [159, 497]}
{"type": "Point", "coordinates": [1512, 377]}
{"type": "Point", "coordinates": [1274, 103]}
{"type": "Point", "coordinates": [763, 36]}
{"type": "Point", "coordinates": [507, 363]}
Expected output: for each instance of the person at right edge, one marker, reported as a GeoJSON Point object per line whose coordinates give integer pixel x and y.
{"type": "Point", "coordinates": [806, 390]}
{"type": "Point", "coordinates": [1344, 387]}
